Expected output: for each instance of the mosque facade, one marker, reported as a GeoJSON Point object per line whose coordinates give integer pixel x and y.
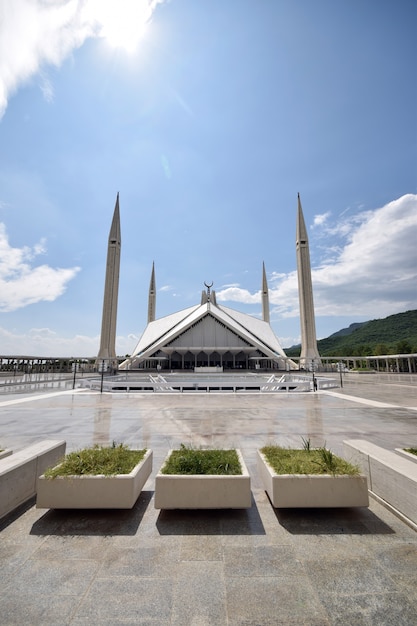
{"type": "Point", "coordinates": [207, 336]}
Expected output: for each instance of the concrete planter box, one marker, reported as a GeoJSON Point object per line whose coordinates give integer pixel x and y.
{"type": "Point", "coordinates": [312, 490]}
{"type": "Point", "coordinates": [5, 453]}
{"type": "Point", "coordinates": [407, 455]}
{"type": "Point", "coordinates": [94, 492]}
{"type": "Point", "coordinates": [203, 491]}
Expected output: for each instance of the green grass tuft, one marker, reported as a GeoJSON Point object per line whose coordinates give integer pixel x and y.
{"type": "Point", "coordinates": [117, 459]}
{"type": "Point", "coordinates": [307, 461]}
{"type": "Point", "coordinates": [188, 461]}
{"type": "Point", "coordinates": [411, 450]}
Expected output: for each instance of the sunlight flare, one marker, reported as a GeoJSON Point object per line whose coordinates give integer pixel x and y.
{"type": "Point", "coordinates": [123, 23]}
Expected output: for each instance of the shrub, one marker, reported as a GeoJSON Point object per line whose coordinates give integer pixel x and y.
{"type": "Point", "coordinates": [116, 459]}
{"type": "Point", "coordinates": [307, 461]}
{"type": "Point", "coordinates": [188, 460]}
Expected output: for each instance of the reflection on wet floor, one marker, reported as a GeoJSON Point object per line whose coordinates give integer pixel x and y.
{"type": "Point", "coordinates": [50, 408]}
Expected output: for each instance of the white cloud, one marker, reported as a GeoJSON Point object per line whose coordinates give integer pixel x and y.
{"type": "Point", "coordinates": [47, 88]}
{"type": "Point", "coordinates": [45, 342]}
{"type": "Point", "coordinates": [376, 271]}
{"type": "Point", "coordinates": [35, 33]}
{"type": "Point", "coordinates": [371, 272]}
{"type": "Point", "coordinates": [20, 283]}
{"type": "Point", "coordinates": [236, 294]}
{"type": "Point", "coordinates": [320, 219]}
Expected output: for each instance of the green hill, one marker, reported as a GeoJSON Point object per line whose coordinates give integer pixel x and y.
{"type": "Point", "coordinates": [395, 334]}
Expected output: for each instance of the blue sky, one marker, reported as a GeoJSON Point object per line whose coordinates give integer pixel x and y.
{"type": "Point", "coordinates": [208, 117]}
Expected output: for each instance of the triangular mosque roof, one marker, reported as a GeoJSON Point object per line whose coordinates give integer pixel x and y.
{"type": "Point", "coordinates": [165, 333]}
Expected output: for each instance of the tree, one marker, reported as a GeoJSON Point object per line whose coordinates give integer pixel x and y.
{"type": "Point", "coordinates": [380, 349]}
{"type": "Point", "coordinates": [403, 347]}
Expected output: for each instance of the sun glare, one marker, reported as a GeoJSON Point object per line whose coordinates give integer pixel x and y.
{"type": "Point", "coordinates": [122, 23]}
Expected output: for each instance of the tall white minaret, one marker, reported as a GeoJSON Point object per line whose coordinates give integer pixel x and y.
{"type": "Point", "coordinates": [152, 296]}
{"type": "Point", "coordinates": [309, 349]}
{"type": "Point", "coordinates": [265, 296]}
{"type": "Point", "coordinates": [106, 357]}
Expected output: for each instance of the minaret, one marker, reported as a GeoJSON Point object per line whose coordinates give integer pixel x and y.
{"type": "Point", "coordinates": [265, 296]}
{"type": "Point", "coordinates": [309, 349]}
{"type": "Point", "coordinates": [152, 297]}
{"type": "Point", "coordinates": [107, 354]}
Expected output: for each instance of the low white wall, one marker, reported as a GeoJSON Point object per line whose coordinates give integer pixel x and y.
{"type": "Point", "coordinates": [19, 472]}
{"type": "Point", "coordinates": [390, 476]}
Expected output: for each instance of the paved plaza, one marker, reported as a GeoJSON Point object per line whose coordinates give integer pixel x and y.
{"type": "Point", "coordinates": [254, 567]}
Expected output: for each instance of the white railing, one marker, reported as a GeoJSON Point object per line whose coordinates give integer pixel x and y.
{"type": "Point", "coordinates": [188, 382]}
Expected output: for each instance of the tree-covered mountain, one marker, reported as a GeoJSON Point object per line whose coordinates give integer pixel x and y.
{"type": "Point", "coordinates": [395, 334]}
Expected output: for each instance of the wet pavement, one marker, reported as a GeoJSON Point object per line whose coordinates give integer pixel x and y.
{"type": "Point", "coordinates": [258, 566]}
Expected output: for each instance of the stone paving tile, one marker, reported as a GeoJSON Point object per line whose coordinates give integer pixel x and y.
{"type": "Point", "coordinates": [199, 596]}
{"type": "Point", "coordinates": [43, 609]}
{"type": "Point", "coordinates": [202, 548]}
{"type": "Point", "coordinates": [401, 558]}
{"type": "Point", "coordinates": [279, 620]}
{"type": "Point", "coordinates": [41, 577]}
{"type": "Point", "coordinates": [145, 561]}
{"type": "Point", "coordinates": [407, 584]}
{"type": "Point", "coordinates": [375, 609]}
{"type": "Point", "coordinates": [124, 598]}
{"type": "Point", "coordinates": [70, 548]}
{"type": "Point", "coordinates": [12, 557]}
{"type": "Point", "coordinates": [120, 621]}
{"type": "Point", "coordinates": [261, 561]}
{"type": "Point", "coordinates": [348, 576]}
{"type": "Point", "coordinates": [310, 547]}
{"type": "Point", "coordinates": [257, 600]}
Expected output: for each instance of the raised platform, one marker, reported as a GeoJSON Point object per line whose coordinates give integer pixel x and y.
{"type": "Point", "coordinates": [205, 382]}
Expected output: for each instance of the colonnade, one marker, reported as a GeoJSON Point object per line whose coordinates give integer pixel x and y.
{"type": "Point", "coordinates": [395, 363]}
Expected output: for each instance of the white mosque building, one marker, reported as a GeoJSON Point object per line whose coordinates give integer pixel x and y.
{"type": "Point", "coordinates": [207, 336]}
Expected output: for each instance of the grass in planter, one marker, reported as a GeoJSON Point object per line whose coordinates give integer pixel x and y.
{"type": "Point", "coordinates": [307, 461]}
{"type": "Point", "coordinates": [212, 462]}
{"type": "Point", "coordinates": [411, 450]}
{"type": "Point", "coordinates": [117, 459]}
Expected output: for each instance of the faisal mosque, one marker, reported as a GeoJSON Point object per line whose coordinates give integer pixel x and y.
{"type": "Point", "coordinates": [207, 337]}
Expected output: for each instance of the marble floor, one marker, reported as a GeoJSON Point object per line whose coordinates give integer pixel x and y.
{"type": "Point", "coordinates": [258, 566]}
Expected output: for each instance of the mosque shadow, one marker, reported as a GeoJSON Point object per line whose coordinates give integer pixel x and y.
{"type": "Point", "coordinates": [93, 522]}
{"type": "Point", "coordinates": [211, 522]}
{"type": "Point", "coordinates": [337, 521]}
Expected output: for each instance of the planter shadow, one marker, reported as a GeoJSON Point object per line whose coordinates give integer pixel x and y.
{"type": "Point", "coordinates": [211, 522]}
{"type": "Point", "coordinates": [335, 521]}
{"type": "Point", "coordinates": [93, 522]}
